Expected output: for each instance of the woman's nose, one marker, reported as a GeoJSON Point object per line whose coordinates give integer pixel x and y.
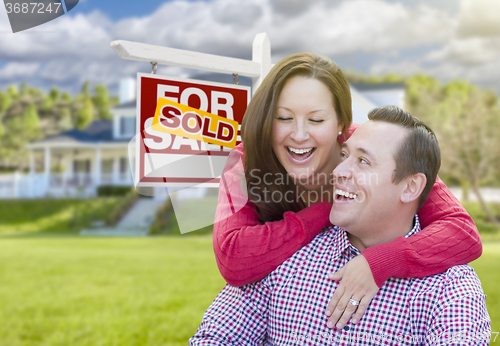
{"type": "Point", "coordinates": [300, 133]}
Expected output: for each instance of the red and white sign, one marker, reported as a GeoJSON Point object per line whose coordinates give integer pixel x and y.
{"type": "Point", "coordinates": [164, 159]}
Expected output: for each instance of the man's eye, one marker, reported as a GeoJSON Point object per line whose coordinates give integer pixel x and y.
{"type": "Point", "coordinates": [362, 160]}
{"type": "Point", "coordinates": [343, 154]}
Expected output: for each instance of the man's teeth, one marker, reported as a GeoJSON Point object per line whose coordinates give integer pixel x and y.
{"type": "Point", "coordinates": [299, 151]}
{"type": "Point", "coordinates": [345, 194]}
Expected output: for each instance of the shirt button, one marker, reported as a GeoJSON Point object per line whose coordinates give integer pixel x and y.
{"type": "Point", "coordinates": [346, 328]}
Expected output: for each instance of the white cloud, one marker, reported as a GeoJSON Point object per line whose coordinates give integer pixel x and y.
{"type": "Point", "coordinates": [468, 51]}
{"type": "Point", "coordinates": [18, 70]}
{"type": "Point", "coordinates": [78, 47]}
{"type": "Point", "coordinates": [479, 18]}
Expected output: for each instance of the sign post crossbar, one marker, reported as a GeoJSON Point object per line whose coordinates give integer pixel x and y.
{"type": "Point", "coordinates": [257, 68]}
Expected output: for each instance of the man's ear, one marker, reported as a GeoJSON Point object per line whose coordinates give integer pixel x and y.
{"type": "Point", "coordinates": [414, 185]}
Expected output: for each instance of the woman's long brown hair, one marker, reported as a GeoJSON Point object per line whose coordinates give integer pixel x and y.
{"type": "Point", "coordinates": [273, 200]}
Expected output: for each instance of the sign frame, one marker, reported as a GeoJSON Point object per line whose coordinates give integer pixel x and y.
{"type": "Point", "coordinates": [139, 163]}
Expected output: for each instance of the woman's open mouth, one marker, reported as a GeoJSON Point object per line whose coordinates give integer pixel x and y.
{"type": "Point", "coordinates": [300, 154]}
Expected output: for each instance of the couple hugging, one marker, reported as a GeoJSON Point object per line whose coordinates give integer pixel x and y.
{"type": "Point", "coordinates": [371, 249]}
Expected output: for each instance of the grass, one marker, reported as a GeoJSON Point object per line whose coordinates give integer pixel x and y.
{"type": "Point", "coordinates": [489, 231]}
{"type": "Point", "coordinates": [61, 291]}
{"type": "Point", "coordinates": [486, 268]}
{"type": "Point", "coordinates": [53, 215]}
{"type": "Point", "coordinates": [91, 291]}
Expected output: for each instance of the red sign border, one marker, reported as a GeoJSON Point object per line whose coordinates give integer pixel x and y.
{"type": "Point", "coordinates": [165, 181]}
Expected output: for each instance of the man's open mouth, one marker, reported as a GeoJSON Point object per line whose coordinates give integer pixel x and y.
{"type": "Point", "coordinates": [342, 195]}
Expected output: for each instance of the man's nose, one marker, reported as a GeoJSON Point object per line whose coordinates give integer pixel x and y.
{"type": "Point", "coordinates": [343, 170]}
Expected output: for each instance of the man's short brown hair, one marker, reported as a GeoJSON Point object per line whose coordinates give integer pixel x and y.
{"type": "Point", "coordinates": [418, 152]}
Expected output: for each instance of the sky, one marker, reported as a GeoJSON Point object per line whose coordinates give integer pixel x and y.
{"type": "Point", "coordinates": [447, 39]}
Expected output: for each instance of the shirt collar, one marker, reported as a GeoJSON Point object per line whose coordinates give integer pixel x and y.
{"type": "Point", "coordinates": [342, 243]}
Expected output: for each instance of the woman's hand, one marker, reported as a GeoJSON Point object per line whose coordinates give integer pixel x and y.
{"type": "Point", "coordinates": [357, 283]}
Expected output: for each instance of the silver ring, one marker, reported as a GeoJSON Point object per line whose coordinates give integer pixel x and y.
{"type": "Point", "coordinates": [354, 302]}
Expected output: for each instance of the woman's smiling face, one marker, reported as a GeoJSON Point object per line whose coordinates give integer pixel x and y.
{"type": "Point", "coordinates": [305, 129]}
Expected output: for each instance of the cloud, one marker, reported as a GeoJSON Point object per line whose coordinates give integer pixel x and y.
{"type": "Point", "coordinates": [479, 18]}
{"type": "Point", "coordinates": [468, 51]}
{"type": "Point", "coordinates": [77, 47]}
{"type": "Point", "coordinates": [18, 70]}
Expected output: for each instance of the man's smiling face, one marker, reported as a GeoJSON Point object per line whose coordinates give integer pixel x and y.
{"type": "Point", "coordinates": [365, 195]}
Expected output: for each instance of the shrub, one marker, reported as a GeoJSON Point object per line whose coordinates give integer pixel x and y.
{"type": "Point", "coordinates": [113, 190]}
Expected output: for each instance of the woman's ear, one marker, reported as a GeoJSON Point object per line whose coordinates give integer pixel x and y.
{"type": "Point", "coordinates": [414, 185]}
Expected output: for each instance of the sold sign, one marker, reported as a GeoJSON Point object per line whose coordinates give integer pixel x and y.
{"type": "Point", "coordinates": [181, 120]}
{"type": "Point", "coordinates": [186, 129]}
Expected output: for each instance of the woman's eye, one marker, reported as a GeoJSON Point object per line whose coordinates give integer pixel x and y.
{"type": "Point", "coordinates": [283, 118]}
{"type": "Point", "coordinates": [343, 154]}
{"type": "Point", "coordinates": [362, 160]}
{"type": "Point", "coordinates": [316, 120]}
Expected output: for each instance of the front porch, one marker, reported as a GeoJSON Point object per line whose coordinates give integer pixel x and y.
{"type": "Point", "coordinates": [74, 171]}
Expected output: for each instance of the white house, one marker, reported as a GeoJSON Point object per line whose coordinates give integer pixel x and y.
{"type": "Point", "coordinates": [76, 162]}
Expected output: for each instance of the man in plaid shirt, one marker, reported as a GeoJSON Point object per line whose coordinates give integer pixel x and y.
{"type": "Point", "coordinates": [389, 166]}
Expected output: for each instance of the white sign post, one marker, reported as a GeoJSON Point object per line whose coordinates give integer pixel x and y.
{"type": "Point", "coordinates": [257, 68]}
{"type": "Point", "coordinates": [159, 158]}
{"type": "Point", "coordinates": [153, 155]}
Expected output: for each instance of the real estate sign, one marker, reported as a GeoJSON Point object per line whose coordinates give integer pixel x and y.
{"type": "Point", "coordinates": [169, 107]}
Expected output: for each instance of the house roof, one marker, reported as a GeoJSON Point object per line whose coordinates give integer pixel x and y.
{"type": "Point", "coordinates": [128, 104]}
{"type": "Point", "coordinates": [377, 86]}
{"type": "Point", "coordinates": [98, 131]}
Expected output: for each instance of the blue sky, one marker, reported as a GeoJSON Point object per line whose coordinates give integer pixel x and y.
{"type": "Point", "coordinates": [116, 9]}
{"type": "Point", "coordinates": [448, 39]}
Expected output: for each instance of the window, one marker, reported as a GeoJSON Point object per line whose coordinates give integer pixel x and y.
{"type": "Point", "coordinates": [124, 169]}
{"type": "Point", "coordinates": [81, 166]}
{"type": "Point", "coordinates": [127, 126]}
{"type": "Point", "coordinates": [107, 166]}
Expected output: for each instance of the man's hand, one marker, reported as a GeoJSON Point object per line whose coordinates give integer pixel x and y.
{"type": "Point", "coordinates": [357, 283]}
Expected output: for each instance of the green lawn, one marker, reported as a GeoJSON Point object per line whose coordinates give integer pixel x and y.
{"type": "Point", "coordinates": [54, 215]}
{"type": "Point", "coordinates": [72, 291]}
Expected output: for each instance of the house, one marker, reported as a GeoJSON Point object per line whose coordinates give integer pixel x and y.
{"type": "Point", "coordinates": [77, 162]}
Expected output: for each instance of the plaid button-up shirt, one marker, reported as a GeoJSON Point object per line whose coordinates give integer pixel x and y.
{"type": "Point", "coordinates": [288, 306]}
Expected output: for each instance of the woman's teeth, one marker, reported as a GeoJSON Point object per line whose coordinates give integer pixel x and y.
{"type": "Point", "coordinates": [345, 194]}
{"type": "Point", "coordinates": [299, 151]}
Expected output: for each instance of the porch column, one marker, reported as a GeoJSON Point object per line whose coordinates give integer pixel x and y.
{"type": "Point", "coordinates": [47, 166]}
{"type": "Point", "coordinates": [98, 158]}
{"type": "Point", "coordinates": [32, 174]}
{"type": "Point", "coordinates": [116, 170]}
{"type": "Point", "coordinates": [32, 163]}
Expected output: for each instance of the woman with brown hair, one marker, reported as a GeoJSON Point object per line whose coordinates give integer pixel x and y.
{"type": "Point", "coordinates": [292, 132]}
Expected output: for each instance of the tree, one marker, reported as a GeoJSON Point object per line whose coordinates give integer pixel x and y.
{"type": "Point", "coordinates": [5, 101]}
{"type": "Point", "coordinates": [466, 121]}
{"type": "Point", "coordinates": [85, 115]}
{"type": "Point", "coordinates": [31, 123]}
{"type": "Point", "coordinates": [12, 91]}
{"type": "Point", "coordinates": [66, 97]}
{"type": "Point", "coordinates": [101, 101]}
{"type": "Point", "coordinates": [86, 89]}
{"type": "Point", "coordinates": [54, 94]}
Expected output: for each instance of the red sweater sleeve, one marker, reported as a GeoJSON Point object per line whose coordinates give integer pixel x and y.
{"type": "Point", "coordinates": [245, 249]}
{"type": "Point", "coordinates": [449, 237]}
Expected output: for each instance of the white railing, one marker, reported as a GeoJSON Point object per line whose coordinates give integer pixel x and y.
{"type": "Point", "coordinates": [19, 185]}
